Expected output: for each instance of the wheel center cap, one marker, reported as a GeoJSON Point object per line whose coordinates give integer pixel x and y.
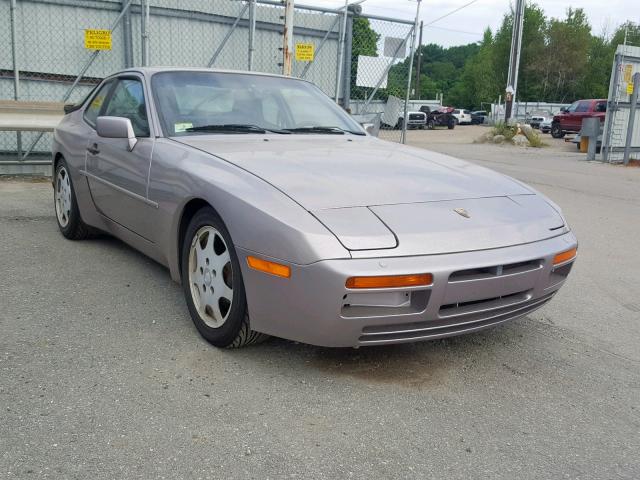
{"type": "Point", "coordinates": [207, 277]}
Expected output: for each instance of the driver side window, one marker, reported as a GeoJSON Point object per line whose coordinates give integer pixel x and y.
{"type": "Point", "coordinates": [127, 101]}
{"type": "Point", "coordinates": [572, 107]}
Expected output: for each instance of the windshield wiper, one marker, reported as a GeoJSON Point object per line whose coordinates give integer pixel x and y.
{"type": "Point", "coordinates": [235, 128]}
{"type": "Point", "coordinates": [318, 129]}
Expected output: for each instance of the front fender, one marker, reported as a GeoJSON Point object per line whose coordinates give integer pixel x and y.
{"type": "Point", "coordinates": [259, 217]}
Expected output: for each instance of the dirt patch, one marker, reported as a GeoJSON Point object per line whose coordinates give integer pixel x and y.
{"type": "Point", "coordinates": [25, 178]}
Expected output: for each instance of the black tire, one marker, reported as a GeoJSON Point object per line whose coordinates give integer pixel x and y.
{"type": "Point", "coordinates": [399, 124]}
{"type": "Point", "coordinates": [235, 332]}
{"type": "Point", "coordinates": [74, 228]}
{"type": "Point", "coordinates": [451, 124]}
{"type": "Point", "coordinates": [431, 125]}
{"type": "Point", "coordinates": [556, 131]}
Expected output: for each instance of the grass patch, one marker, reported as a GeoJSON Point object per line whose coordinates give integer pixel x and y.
{"type": "Point", "coordinates": [508, 131]}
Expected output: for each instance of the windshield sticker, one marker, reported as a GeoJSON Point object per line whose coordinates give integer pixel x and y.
{"type": "Point", "coordinates": [182, 126]}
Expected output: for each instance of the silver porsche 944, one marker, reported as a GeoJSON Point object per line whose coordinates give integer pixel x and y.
{"type": "Point", "coordinates": [280, 215]}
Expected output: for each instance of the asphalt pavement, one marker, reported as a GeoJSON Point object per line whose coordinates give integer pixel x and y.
{"type": "Point", "coordinates": [103, 375]}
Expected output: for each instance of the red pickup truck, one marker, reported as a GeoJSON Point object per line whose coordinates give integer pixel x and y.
{"type": "Point", "coordinates": [569, 120]}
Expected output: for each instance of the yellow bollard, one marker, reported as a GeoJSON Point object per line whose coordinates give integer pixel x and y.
{"type": "Point", "coordinates": [584, 144]}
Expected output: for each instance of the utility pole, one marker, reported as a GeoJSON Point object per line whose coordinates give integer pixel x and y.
{"type": "Point", "coordinates": [514, 59]}
{"type": "Point", "coordinates": [287, 41]}
{"type": "Point", "coordinates": [417, 84]}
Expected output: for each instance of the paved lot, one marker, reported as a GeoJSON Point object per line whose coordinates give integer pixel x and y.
{"type": "Point", "coordinates": [102, 374]}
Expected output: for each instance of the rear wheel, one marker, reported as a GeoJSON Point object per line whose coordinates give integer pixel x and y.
{"type": "Point", "coordinates": [212, 283]}
{"type": "Point", "coordinates": [66, 205]}
{"type": "Point", "coordinates": [556, 131]}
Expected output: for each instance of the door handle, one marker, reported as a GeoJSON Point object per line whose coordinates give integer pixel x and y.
{"type": "Point", "coordinates": [94, 149]}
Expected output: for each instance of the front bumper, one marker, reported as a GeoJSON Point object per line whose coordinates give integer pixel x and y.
{"type": "Point", "coordinates": [471, 291]}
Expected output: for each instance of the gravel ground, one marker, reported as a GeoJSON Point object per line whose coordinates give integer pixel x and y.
{"type": "Point", "coordinates": [102, 374]}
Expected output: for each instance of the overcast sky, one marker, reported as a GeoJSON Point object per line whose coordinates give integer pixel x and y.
{"type": "Point", "coordinates": [472, 20]}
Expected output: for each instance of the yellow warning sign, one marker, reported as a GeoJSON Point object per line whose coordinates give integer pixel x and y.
{"type": "Point", "coordinates": [630, 88]}
{"type": "Point", "coordinates": [305, 52]}
{"type": "Point", "coordinates": [97, 39]}
{"type": "Point", "coordinates": [628, 70]}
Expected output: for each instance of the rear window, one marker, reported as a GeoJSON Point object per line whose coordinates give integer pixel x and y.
{"type": "Point", "coordinates": [456, 111]}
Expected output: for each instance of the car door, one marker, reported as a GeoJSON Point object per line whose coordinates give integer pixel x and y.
{"type": "Point", "coordinates": [118, 178]}
{"type": "Point", "coordinates": [583, 110]}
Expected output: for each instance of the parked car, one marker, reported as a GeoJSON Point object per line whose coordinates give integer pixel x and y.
{"type": "Point", "coordinates": [463, 117]}
{"type": "Point", "coordinates": [440, 117]}
{"type": "Point", "coordinates": [479, 117]}
{"type": "Point", "coordinates": [569, 120]}
{"type": "Point", "coordinates": [279, 215]}
{"type": "Point", "coordinates": [416, 120]}
{"type": "Point", "coordinates": [538, 117]}
{"type": "Point", "coordinates": [545, 125]}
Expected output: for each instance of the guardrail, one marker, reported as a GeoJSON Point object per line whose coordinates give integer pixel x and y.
{"type": "Point", "coordinates": [17, 116]}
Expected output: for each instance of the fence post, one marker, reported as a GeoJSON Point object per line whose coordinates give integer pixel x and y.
{"type": "Point", "coordinates": [144, 32]}
{"type": "Point", "coordinates": [252, 33]}
{"type": "Point", "coordinates": [409, 75]}
{"type": "Point", "coordinates": [346, 75]}
{"type": "Point", "coordinates": [16, 70]}
{"type": "Point", "coordinates": [343, 32]}
{"type": "Point", "coordinates": [632, 117]}
{"type": "Point", "coordinates": [127, 37]}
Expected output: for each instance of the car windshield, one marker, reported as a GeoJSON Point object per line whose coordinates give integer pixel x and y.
{"type": "Point", "coordinates": [192, 102]}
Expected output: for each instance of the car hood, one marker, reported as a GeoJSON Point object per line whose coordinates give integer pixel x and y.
{"type": "Point", "coordinates": [397, 200]}
{"type": "Point", "coordinates": [323, 172]}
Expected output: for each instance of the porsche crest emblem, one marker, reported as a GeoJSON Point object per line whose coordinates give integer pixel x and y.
{"type": "Point", "coordinates": [462, 212]}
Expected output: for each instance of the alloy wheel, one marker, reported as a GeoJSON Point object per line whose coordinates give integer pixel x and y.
{"type": "Point", "coordinates": [211, 276]}
{"type": "Point", "coordinates": [63, 196]}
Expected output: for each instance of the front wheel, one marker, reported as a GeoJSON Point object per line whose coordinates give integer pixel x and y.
{"type": "Point", "coordinates": [431, 125]}
{"type": "Point", "coordinates": [212, 283]}
{"type": "Point", "coordinates": [556, 131]}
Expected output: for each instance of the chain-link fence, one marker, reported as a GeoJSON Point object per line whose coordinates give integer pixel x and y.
{"type": "Point", "coordinates": [362, 61]}
{"type": "Point", "coordinates": [380, 68]}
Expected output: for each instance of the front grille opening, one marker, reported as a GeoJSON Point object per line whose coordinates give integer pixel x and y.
{"type": "Point", "coordinates": [495, 271]}
{"type": "Point", "coordinates": [381, 334]}
{"type": "Point", "coordinates": [485, 303]}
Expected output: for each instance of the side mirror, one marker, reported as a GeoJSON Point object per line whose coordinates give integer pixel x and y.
{"type": "Point", "coordinates": [370, 128]}
{"type": "Point", "coordinates": [116, 127]}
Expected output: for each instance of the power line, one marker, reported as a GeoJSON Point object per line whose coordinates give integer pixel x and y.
{"type": "Point", "coordinates": [450, 13]}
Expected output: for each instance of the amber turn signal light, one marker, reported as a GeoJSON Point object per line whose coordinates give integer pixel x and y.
{"type": "Point", "coordinates": [272, 268]}
{"type": "Point", "coordinates": [391, 281]}
{"type": "Point", "coordinates": [565, 256]}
